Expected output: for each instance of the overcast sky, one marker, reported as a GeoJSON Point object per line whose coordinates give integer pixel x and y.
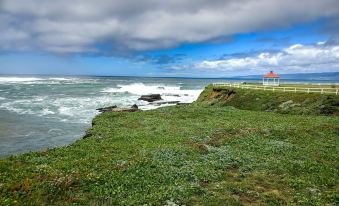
{"type": "Point", "coordinates": [198, 38]}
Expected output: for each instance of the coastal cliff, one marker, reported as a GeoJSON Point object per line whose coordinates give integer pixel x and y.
{"type": "Point", "coordinates": [272, 101]}
{"type": "Point", "coordinates": [212, 152]}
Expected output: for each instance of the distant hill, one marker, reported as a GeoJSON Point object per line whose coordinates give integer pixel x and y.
{"type": "Point", "coordinates": [325, 76]}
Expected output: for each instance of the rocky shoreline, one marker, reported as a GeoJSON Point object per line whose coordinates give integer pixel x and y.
{"type": "Point", "coordinates": [153, 99]}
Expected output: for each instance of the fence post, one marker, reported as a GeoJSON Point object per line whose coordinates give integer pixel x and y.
{"type": "Point", "coordinates": [308, 90]}
{"type": "Point", "coordinates": [295, 89]}
{"type": "Point", "coordinates": [322, 91]}
{"type": "Point", "coordinates": [336, 92]}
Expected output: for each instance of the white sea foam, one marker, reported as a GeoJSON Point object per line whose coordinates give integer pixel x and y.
{"type": "Point", "coordinates": [140, 89]}
{"type": "Point", "coordinates": [65, 111]}
{"type": "Point", "coordinates": [46, 111]}
{"type": "Point", "coordinates": [19, 79]}
{"type": "Point", "coordinates": [44, 80]}
{"type": "Point", "coordinates": [61, 79]}
{"type": "Point", "coordinates": [168, 92]}
{"type": "Point", "coordinates": [12, 107]}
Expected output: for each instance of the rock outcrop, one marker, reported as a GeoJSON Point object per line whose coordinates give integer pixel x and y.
{"type": "Point", "coordinates": [150, 97]}
{"type": "Point", "coordinates": [160, 102]}
{"type": "Point", "coordinates": [134, 108]}
{"type": "Point", "coordinates": [107, 109]}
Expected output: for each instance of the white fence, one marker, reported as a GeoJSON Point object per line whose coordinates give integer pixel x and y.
{"type": "Point", "coordinates": [282, 89]}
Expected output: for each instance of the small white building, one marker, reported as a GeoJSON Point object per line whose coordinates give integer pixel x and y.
{"type": "Point", "coordinates": [271, 79]}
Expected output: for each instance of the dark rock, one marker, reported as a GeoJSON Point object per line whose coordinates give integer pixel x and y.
{"type": "Point", "coordinates": [106, 109]}
{"type": "Point", "coordinates": [171, 95]}
{"type": "Point", "coordinates": [134, 106]}
{"type": "Point", "coordinates": [150, 97]}
{"type": "Point", "coordinates": [181, 103]}
{"type": "Point", "coordinates": [124, 110]}
{"type": "Point", "coordinates": [160, 102]}
{"type": "Point", "coordinates": [87, 134]}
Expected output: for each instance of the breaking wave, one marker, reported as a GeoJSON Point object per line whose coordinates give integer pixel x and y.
{"type": "Point", "coordinates": [168, 92]}
{"type": "Point", "coordinates": [18, 79]}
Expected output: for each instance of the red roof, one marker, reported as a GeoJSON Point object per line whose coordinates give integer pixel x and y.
{"type": "Point", "coordinates": [271, 75]}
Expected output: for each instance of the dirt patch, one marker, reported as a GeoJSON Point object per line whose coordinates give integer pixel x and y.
{"type": "Point", "coordinates": [217, 140]}
{"type": "Point", "coordinates": [202, 148]}
{"type": "Point", "coordinates": [214, 95]}
{"type": "Point", "coordinates": [229, 95]}
{"type": "Point", "coordinates": [221, 93]}
{"type": "Point", "coordinates": [244, 198]}
{"type": "Point", "coordinates": [253, 130]}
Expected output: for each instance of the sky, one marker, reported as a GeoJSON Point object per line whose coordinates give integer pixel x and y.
{"type": "Point", "coordinates": [177, 38]}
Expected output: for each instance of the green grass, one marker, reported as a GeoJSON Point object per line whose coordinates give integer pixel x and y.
{"type": "Point", "coordinates": [276, 101]}
{"type": "Point", "coordinates": [188, 154]}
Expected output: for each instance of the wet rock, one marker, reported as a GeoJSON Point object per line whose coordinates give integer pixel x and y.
{"type": "Point", "coordinates": [134, 108]}
{"type": "Point", "coordinates": [182, 103]}
{"type": "Point", "coordinates": [150, 97]}
{"type": "Point", "coordinates": [160, 102]}
{"type": "Point", "coordinates": [106, 109]}
{"type": "Point", "coordinates": [124, 110]}
{"type": "Point", "coordinates": [88, 133]}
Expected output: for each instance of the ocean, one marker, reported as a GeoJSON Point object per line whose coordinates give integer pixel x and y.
{"type": "Point", "coordinates": [45, 112]}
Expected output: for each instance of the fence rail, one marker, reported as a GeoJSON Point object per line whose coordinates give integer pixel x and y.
{"type": "Point", "coordinates": [283, 89]}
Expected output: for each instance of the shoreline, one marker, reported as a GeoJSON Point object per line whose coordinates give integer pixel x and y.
{"type": "Point", "coordinates": [78, 138]}
{"type": "Point", "coordinates": [124, 109]}
{"type": "Point", "coordinates": [59, 103]}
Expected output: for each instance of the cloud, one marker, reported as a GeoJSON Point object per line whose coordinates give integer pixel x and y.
{"type": "Point", "coordinates": [81, 26]}
{"type": "Point", "coordinates": [296, 58]}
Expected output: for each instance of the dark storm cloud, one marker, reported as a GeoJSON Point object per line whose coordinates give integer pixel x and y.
{"type": "Point", "coordinates": [83, 26]}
